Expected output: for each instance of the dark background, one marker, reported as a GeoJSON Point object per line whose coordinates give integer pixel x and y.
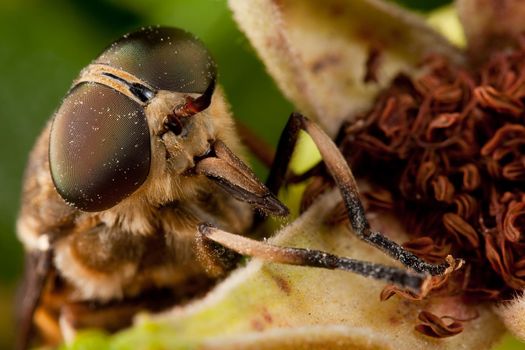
{"type": "Point", "coordinates": [43, 46]}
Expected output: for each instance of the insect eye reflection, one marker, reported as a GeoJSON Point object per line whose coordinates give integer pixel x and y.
{"type": "Point", "coordinates": [99, 150]}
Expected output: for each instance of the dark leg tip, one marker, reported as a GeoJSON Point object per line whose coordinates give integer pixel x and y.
{"type": "Point", "coordinates": [274, 206]}
{"type": "Point", "coordinates": [205, 228]}
{"type": "Point", "coordinates": [299, 116]}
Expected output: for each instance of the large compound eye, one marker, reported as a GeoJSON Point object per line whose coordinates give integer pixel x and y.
{"type": "Point", "coordinates": [99, 149]}
{"type": "Point", "coordinates": [166, 58]}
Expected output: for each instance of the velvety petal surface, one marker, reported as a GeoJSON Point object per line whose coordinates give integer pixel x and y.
{"type": "Point", "coordinates": [318, 51]}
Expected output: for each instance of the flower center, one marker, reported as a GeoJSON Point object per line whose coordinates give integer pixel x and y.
{"type": "Point", "coordinates": [445, 151]}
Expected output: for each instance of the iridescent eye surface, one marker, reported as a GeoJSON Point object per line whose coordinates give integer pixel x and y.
{"type": "Point", "coordinates": [166, 58]}
{"type": "Point", "coordinates": [99, 150]}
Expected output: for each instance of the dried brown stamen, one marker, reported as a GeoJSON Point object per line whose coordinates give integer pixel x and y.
{"type": "Point", "coordinates": [436, 327]}
{"type": "Point", "coordinates": [448, 148]}
{"type": "Point", "coordinates": [445, 156]}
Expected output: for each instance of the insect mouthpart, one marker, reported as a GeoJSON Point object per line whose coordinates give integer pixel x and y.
{"type": "Point", "coordinates": [228, 171]}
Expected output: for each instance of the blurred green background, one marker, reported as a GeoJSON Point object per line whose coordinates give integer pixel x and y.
{"type": "Point", "coordinates": [43, 46]}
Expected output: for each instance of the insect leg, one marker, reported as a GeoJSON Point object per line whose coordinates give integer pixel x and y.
{"type": "Point", "coordinates": [344, 179]}
{"type": "Point", "coordinates": [413, 281]}
{"type": "Point", "coordinates": [214, 257]}
{"type": "Point", "coordinates": [36, 272]}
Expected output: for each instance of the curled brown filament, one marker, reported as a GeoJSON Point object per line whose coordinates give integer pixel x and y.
{"type": "Point", "coordinates": [436, 327]}
{"type": "Point", "coordinates": [454, 163]}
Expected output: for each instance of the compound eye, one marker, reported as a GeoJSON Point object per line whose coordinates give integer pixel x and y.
{"type": "Point", "coordinates": [165, 58]}
{"type": "Point", "coordinates": [99, 147]}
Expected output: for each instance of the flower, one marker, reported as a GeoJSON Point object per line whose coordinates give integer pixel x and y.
{"type": "Point", "coordinates": [338, 60]}
{"type": "Point", "coordinates": [328, 83]}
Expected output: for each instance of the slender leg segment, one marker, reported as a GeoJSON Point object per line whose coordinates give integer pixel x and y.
{"type": "Point", "coordinates": [315, 258]}
{"type": "Point", "coordinates": [37, 269]}
{"type": "Point", "coordinates": [344, 179]}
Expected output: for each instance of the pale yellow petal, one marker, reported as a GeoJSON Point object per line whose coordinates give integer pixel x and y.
{"type": "Point", "coordinates": [446, 21]}
{"type": "Point", "coordinates": [317, 50]}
